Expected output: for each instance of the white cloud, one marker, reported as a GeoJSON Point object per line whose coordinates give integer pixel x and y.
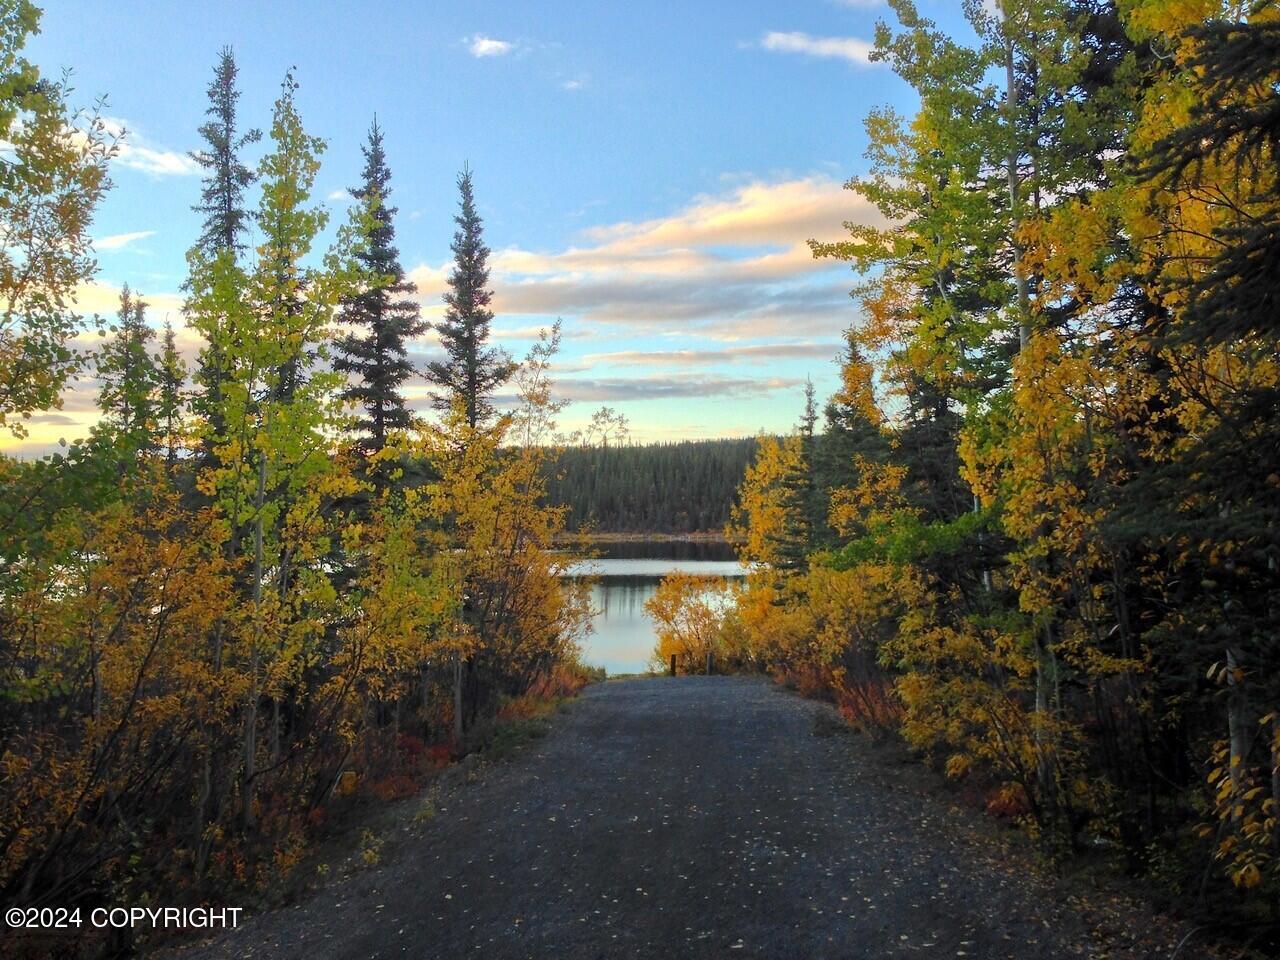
{"type": "Point", "coordinates": [726, 267]}
{"type": "Point", "coordinates": [338, 195]}
{"type": "Point", "coordinates": [575, 83]}
{"type": "Point", "coordinates": [137, 153]}
{"type": "Point", "coordinates": [103, 297]}
{"type": "Point", "coordinates": [755, 353]}
{"type": "Point", "coordinates": [118, 241]}
{"type": "Point", "coordinates": [624, 389]}
{"type": "Point", "coordinates": [482, 46]}
{"type": "Point", "coordinates": [850, 49]}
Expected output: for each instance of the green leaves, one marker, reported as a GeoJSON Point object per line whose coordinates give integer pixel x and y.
{"type": "Point", "coordinates": [51, 180]}
{"type": "Point", "coordinates": [905, 538]}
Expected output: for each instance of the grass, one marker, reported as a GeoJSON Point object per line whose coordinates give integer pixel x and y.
{"type": "Point", "coordinates": [503, 738]}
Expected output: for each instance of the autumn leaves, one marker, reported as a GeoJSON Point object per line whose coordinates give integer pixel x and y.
{"type": "Point", "coordinates": [1051, 534]}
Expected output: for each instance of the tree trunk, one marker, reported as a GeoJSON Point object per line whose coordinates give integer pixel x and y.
{"type": "Point", "coordinates": [457, 699]}
{"type": "Point", "coordinates": [1015, 224]}
{"type": "Point", "coordinates": [1043, 771]}
{"type": "Point", "coordinates": [1237, 722]}
{"type": "Point", "coordinates": [251, 708]}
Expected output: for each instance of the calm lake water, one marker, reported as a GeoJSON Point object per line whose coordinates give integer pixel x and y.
{"type": "Point", "coordinates": [623, 638]}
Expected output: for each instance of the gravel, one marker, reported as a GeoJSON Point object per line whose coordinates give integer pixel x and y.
{"type": "Point", "coordinates": [685, 818]}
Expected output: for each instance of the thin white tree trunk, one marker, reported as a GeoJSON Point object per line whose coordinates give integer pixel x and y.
{"type": "Point", "coordinates": [1237, 722]}
{"type": "Point", "coordinates": [251, 707]}
{"type": "Point", "coordinates": [457, 698]}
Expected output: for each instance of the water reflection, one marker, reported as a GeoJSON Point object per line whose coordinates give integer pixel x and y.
{"type": "Point", "coordinates": [623, 639]}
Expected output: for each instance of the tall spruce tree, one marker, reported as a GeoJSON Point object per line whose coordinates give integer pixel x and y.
{"type": "Point", "coordinates": [225, 178]}
{"type": "Point", "coordinates": [129, 380]}
{"type": "Point", "coordinates": [472, 369]}
{"type": "Point", "coordinates": [814, 497]}
{"type": "Point", "coordinates": [225, 218]}
{"type": "Point", "coordinates": [853, 424]}
{"type": "Point", "coordinates": [171, 372]}
{"type": "Point", "coordinates": [384, 316]}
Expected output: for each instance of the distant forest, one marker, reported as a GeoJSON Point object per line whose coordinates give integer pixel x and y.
{"type": "Point", "coordinates": [685, 487]}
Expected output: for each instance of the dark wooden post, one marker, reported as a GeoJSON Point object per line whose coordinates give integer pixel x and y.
{"type": "Point", "coordinates": [708, 663]}
{"type": "Point", "coordinates": [673, 665]}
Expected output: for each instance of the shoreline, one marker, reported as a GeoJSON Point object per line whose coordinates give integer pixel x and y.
{"type": "Point", "coordinates": [601, 536]}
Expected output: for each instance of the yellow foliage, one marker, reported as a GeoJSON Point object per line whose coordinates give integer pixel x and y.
{"type": "Point", "coordinates": [690, 612]}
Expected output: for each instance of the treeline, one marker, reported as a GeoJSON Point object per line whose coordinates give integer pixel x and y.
{"type": "Point", "coordinates": [1055, 568]}
{"type": "Point", "coordinates": [685, 487]}
{"type": "Point", "coordinates": [264, 584]}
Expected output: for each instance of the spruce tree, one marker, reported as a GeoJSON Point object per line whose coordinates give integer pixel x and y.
{"type": "Point", "coordinates": [129, 379]}
{"type": "Point", "coordinates": [383, 316]}
{"type": "Point", "coordinates": [225, 179]}
{"type": "Point", "coordinates": [472, 369]}
{"type": "Point", "coordinates": [809, 418]}
{"type": "Point", "coordinates": [171, 375]}
{"type": "Point", "coordinates": [814, 496]}
{"type": "Point", "coordinates": [225, 217]}
{"type": "Point", "coordinates": [853, 424]}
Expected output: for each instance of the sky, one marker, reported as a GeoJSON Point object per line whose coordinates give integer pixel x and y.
{"type": "Point", "coordinates": [649, 172]}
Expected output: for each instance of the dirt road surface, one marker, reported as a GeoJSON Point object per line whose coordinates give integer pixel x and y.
{"type": "Point", "coordinates": [687, 818]}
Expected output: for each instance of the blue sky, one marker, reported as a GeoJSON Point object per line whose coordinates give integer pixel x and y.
{"type": "Point", "coordinates": [649, 171]}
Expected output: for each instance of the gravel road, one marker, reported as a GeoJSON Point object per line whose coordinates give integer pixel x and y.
{"type": "Point", "coordinates": [686, 818]}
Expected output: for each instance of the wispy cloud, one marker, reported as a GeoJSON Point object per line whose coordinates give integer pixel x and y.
{"type": "Point", "coordinates": [850, 49]}
{"type": "Point", "coordinates": [621, 389]}
{"type": "Point", "coordinates": [749, 353]}
{"type": "Point", "coordinates": [724, 289]}
{"type": "Point", "coordinates": [118, 241]}
{"type": "Point", "coordinates": [482, 46]}
{"type": "Point", "coordinates": [138, 153]}
{"type": "Point", "coordinates": [731, 266]}
{"type": "Point", "coordinates": [630, 389]}
{"type": "Point", "coordinates": [103, 297]}
{"type": "Point", "coordinates": [723, 286]}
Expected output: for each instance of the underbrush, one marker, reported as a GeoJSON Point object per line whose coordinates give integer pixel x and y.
{"type": "Point", "coordinates": [867, 704]}
{"type": "Point", "coordinates": [1173, 879]}
{"type": "Point", "coordinates": [349, 828]}
{"type": "Point", "coordinates": [523, 719]}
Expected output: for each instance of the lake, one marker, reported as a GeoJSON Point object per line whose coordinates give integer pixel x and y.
{"type": "Point", "coordinates": [623, 636]}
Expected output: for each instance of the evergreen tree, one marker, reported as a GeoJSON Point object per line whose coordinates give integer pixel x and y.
{"type": "Point", "coordinates": [812, 500]}
{"type": "Point", "coordinates": [852, 421]}
{"type": "Point", "coordinates": [684, 487]}
{"type": "Point", "coordinates": [129, 380]}
{"type": "Point", "coordinates": [172, 377]}
{"type": "Point", "coordinates": [809, 419]}
{"type": "Point", "coordinates": [384, 314]}
{"type": "Point", "coordinates": [225, 179]}
{"type": "Point", "coordinates": [225, 218]}
{"type": "Point", "coordinates": [472, 369]}
{"type": "Point", "coordinates": [792, 541]}
{"type": "Point", "coordinates": [1235, 296]}
{"type": "Point", "coordinates": [770, 521]}
{"type": "Point", "coordinates": [852, 429]}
